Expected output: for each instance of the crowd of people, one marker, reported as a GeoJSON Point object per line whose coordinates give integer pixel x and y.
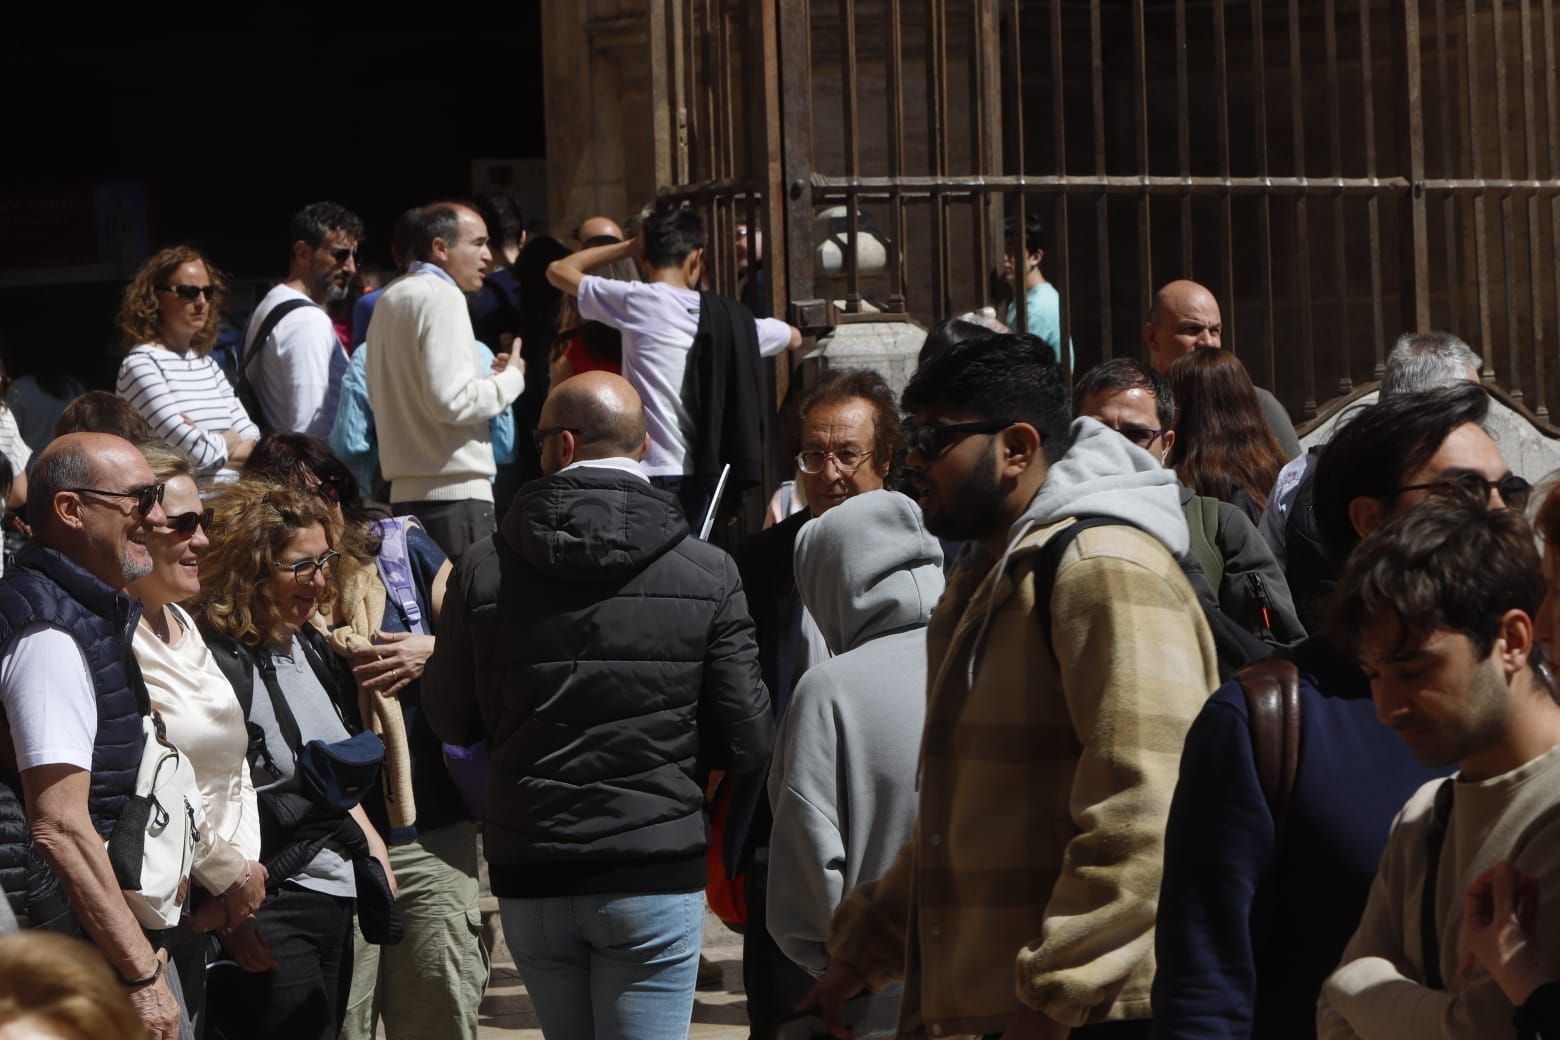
{"type": "Point", "coordinates": [1040, 707]}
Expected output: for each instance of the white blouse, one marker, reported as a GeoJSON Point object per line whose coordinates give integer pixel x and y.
{"type": "Point", "coordinates": [205, 721]}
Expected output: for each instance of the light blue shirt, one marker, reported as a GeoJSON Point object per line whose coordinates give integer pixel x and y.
{"type": "Point", "coordinates": [1043, 311]}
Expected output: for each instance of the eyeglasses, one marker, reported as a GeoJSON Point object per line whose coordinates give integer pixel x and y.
{"type": "Point", "coordinates": [185, 523]}
{"type": "Point", "coordinates": [931, 439]}
{"type": "Point", "coordinates": [329, 489]}
{"type": "Point", "coordinates": [1142, 436]}
{"type": "Point", "coordinates": [303, 571]}
{"type": "Point", "coordinates": [343, 254]}
{"type": "Point", "coordinates": [540, 435]}
{"type": "Point", "coordinates": [1514, 491]}
{"type": "Point", "coordinates": [146, 497]}
{"type": "Point", "coordinates": [846, 461]}
{"type": "Point", "coordinates": [191, 293]}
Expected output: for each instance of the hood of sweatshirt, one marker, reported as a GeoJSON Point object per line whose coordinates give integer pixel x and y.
{"type": "Point", "coordinates": [1104, 474]}
{"type": "Point", "coordinates": [1101, 474]}
{"type": "Point", "coordinates": [868, 568]}
{"type": "Point", "coordinates": [592, 524]}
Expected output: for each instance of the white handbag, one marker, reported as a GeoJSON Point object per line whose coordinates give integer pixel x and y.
{"type": "Point", "coordinates": [153, 846]}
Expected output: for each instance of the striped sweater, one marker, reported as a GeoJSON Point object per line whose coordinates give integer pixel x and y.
{"type": "Point", "coordinates": [165, 386]}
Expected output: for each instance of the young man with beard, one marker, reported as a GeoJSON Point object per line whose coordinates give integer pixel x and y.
{"type": "Point", "coordinates": [1261, 893]}
{"type": "Point", "coordinates": [1053, 725]}
{"type": "Point", "coordinates": [1438, 607]}
{"type": "Point", "coordinates": [296, 369]}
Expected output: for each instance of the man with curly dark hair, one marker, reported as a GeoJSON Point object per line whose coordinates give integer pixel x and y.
{"type": "Point", "coordinates": [291, 355]}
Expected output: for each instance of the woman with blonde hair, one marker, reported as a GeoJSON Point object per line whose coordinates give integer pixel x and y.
{"type": "Point", "coordinates": [204, 721]}
{"type": "Point", "coordinates": [269, 568]}
{"type": "Point", "coordinates": [57, 988]}
{"type": "Point", "coordinates": [169, 320]}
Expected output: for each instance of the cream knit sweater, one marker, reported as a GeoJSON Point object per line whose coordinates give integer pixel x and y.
{"type": "Point", "coordinates": [431, 405]}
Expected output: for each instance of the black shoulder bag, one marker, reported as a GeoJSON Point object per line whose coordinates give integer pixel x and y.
{"type": "Point", "coordinates": [241, 384]}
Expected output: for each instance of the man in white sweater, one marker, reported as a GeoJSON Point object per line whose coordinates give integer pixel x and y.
{"type": "Point", "coordinates": [431, 403]}
{"type": "Point", "coordinates": [1440, 606]}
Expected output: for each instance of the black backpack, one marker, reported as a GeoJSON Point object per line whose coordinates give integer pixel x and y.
{"type": "Point", "coordinates": [251, 350]}
{"type": "Point", "coordinates": [1235, 646]}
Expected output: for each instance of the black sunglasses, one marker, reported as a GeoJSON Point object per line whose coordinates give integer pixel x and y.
{"type": "Point", "coordinates": [931, 439]}
{"type": "Point", "coordinates": [540, 435]}
{"type": "Point", "coordinates": [343, 254]}
{"type": "Point", "coordinates": [146, 497]}
{"type": "Point", "coordinates": [191, 293]}
{"type": "Point", "coordinates": [185, 523]}
{"type": "Point", "coordinates": [1514, 491]}
{"type": "Point", "coordinates": [329, 489]}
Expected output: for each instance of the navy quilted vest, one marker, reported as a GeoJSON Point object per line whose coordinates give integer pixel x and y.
{"type": "Point", "coordinates": [45, 586]}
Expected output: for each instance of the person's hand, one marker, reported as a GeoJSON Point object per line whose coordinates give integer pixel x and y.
{"type": "Point", "coordinates": [209, 916]}
{"type": "Point", "coordinates": [232, 440]}
{"type": "Point", "coordinates": [838, 983]}
{"type": "Point", "coordinates": [1030, 1024]}
{"type": "Point", "coordinates": [239, 454]}
{"type": "Point", "coordinates": [155, 1005]}
{"type": "Point", "coordinates": [187, 420]}
{"type": "Point", "coordinates": [397, 659]}
{"type": "Point", "coordinates": [247, 945]}
{"type": "Point", "coordinates": [378, 849]}
{"type": "Point", "coordinates": [1500, 916]}
{"type": "Point", "coordinates": [510, 360]}
{"type": "Point", "coordinates": [245, 895]}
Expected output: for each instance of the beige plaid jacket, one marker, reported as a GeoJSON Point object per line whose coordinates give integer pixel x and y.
{"type": "Point", "coordinates": [1033, 873]}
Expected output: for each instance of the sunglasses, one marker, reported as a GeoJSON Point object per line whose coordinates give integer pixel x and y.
{"type": "Point", "coordinates": [343, 254]}
{"type": "Point", "coordinates": [931, 439]}
{"type": "Point", "coordinates": [304, 570]}
{"type": "Point", "coordinates": [1514, 491]}
{"type": "Point", "coordinates": [540, 435]}
{"type": "Point", "coordinates": [146, 497]}
{"type": "Point", "coordinates": [329, 490]}
{"type": "Point", "coordinates": [185, 523]}
{"type": "Point", "coordinates": [191, 293]}
{"type": "Point", "coordinates": [1142, 436]}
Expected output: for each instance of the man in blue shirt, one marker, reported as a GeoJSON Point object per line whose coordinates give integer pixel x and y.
{"type": "Point", "coordinates": [1042, 303]}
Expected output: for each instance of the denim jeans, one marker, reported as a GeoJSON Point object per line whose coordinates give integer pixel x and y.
{"type": "Point", "coordinates": [610, 967]}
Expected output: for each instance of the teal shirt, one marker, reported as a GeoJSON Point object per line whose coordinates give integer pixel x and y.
{"type": "Point", "coordinates": [1044, 310]}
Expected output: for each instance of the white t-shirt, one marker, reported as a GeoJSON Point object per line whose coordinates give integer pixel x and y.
{"type": "Point", "coordinates": [658, 323]}
{"type": "Point", "coordinates": [50, 705]}
{"type": "Point", "coordinates": [298, 373]}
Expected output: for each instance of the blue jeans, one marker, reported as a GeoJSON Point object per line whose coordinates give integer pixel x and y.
{"type": "Point", "coordinates": [608, 967]}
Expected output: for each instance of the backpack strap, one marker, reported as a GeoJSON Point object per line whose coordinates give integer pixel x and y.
{"type": "Point", "coordinates": [1435, 838]}
{"type": "Point", "coordinates": [252, 349]}
{"type": "Point", "coordinates": [1049, 558]}
{"type": "Point", "coordinates": [395, 570]}
{"type": "Point", "coordinates": [1272, 690]}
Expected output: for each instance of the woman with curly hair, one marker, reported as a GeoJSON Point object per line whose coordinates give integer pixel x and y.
{"type": "Point", "coordinates": [61, 988]}
{"type": "Point", "coordinates": [1224, 448]}
{"type": "Point", "coordinates": [382, 623]}
{"type": "Point", "coordinates": [268, 569]}
{"type": "Point", "coordinates": [168, 320]}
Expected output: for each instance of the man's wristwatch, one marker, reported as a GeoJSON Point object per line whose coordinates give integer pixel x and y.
{"type": "Point", "coordinates": [146, 980]}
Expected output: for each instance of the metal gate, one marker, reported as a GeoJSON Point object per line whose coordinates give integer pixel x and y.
{"type": "Point", "coordinates": [1335, 171]}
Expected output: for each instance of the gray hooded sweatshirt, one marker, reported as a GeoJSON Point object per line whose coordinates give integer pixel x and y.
{"type": "Point", "coordinates": [843, 781]}
{"type": "Point", "coordinates": [1101, 474]}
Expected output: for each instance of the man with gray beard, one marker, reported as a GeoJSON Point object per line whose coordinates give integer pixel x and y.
{"type": "Point", "coordinates": [70, 696]}
{"type": "Point", "coordinates": [291, 357]}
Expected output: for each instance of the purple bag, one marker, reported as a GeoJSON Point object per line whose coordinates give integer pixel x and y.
{"type": "Point", "coordinates": [467, 765]}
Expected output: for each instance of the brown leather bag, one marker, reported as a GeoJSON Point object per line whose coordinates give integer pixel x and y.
{"type": "Point", "coordinates": [1272, 689]}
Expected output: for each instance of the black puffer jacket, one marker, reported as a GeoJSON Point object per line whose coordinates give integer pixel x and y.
{"type": "Point", "coordinates": [609, 660]}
